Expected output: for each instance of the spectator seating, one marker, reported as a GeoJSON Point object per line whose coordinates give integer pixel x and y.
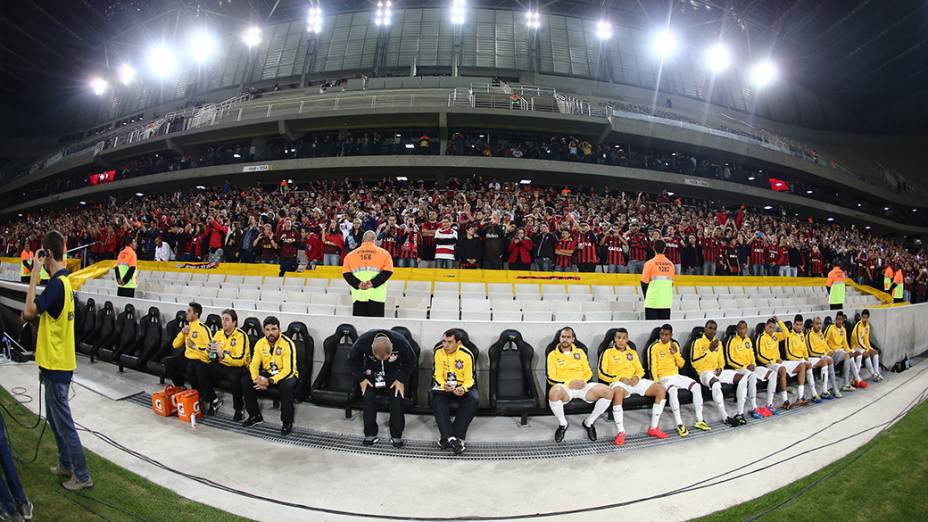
{"type": "Point", "coordinates": [512, 387]}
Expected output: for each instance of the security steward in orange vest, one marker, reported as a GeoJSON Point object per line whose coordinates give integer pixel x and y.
{"type": "Point", "coordinates": [896, 289]}
{"type": "Point", "coordinates": [366, 269]}
{"type": "Point", "coordinates": [657, 284]}
{"type": "Point", "coordinates": [126, 270]}
{"type": "Point", "coordinates": [26, 264]}
{"type": "Point", "coordinates": [836, 287]}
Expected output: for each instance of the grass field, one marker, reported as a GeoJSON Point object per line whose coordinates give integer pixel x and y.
{"type": "Point", "coordinates": [887, 482]}
{"type": "Point", "coordinates": [117, 494]}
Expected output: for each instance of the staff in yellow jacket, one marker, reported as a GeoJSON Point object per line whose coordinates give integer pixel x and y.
{"type": "Point", "coordinates": [620, 368]}
{"type": "Point", "coordinates": [454, 381]}
{"type": "Point", "coordinates": [568, 371]}
{"type": "Point", "coordinates": [836, 337]}
{"type": "Point", "coordinates": [708, 361]}
{"type": "Point", "coordinates": [664, 363]}
{"type": "Point", "coordinates": [191, 347]}
{"type": "Point", "coordinates": [860, 344]}
{"type": "Point", "coordinates": [273, 364]}
{"type": "Point", "coordinates": [230, 355]}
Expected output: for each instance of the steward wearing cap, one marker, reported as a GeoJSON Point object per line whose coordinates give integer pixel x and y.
{"type": "Point", "coordinates": [367, 269]}
{"type": "Point", "coordinates": [836, 287]}
{"type": "Point", "coordinates": [657, 284]}
{"type": "Point", "coordinates": [127, 274]}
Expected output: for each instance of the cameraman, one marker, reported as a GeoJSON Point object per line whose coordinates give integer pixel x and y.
{"type": "Point", "coordinates": [56, 359]}
{"type": "Point", "coordinates": [382, 362]}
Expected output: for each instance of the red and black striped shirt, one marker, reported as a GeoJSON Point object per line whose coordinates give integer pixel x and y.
{"type": "Point", "coordinates": [615, 256]}
{"type": "Point", "coordinates": [409, 244]}
{"type": "Point", "coordinates": [673, 249]}
{"type": "Point", "coordinates": [710, 250]}
{"type": "Point", "coordinates": [638, 246]}
{"type": "Point", "coordinates": [564, 260]}
{"type": "Point", "coordinates": [586, 249]}
{"type": "Point", "coordinates": [757, 252]}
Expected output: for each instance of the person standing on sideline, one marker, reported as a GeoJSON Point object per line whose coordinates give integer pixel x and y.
{"type": "Point", "coordinates": [896, 289]}
{"type": "Point", "coordinates": [27, 264]}
{"type": "Point", "coordinates": [835, 286]}
{"type": "Point", "coordinates": [657, 284]}
{"type": "Point", "coordinates": [127, 272]}
{"type": "Point", "coordinates": [382, 362]}
{"type": "Point", "coordinates": [366, 269]}
{"type": "Point", "coordinates": [56, 358]}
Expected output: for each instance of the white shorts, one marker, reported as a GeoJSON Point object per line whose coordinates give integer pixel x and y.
{"type": "Point", "coordinates": [578, 394]}
{"type": "Point", "coordinates": [726, 377]}
{"type": "Point", "coordinates": [814, 360]}
{"type": "Point", "coordinates": [680, 381]}
{"type": "Point", "coordinates": [638, 389]}
{"type": "Point", "coordinates": [791, 367]}
{"type": "Point", "coordinates": [838, 355]}
{"type": "Point", "coordinates": [761, 372]}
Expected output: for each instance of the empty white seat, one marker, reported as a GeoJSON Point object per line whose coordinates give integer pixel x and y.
{"type": "Point", "coordinates": [473, 289]}
{"type": "Point", "coordinates": [621, 291]}
{"type": "Point", "coordinates": [568, 316]}
{"type": "Point", "coordinates": [318, 282]}
{"type": "Point", "coordinates": [223, 303]}
{"type": "Point", "coordinates": [411, 313]}
{"type": "Point", "coordinates": [496, 290]}
{"type": "Point", "coordinates": [546, 290]}
{"type": "Point", "coordinates": [152, 275]}
{"type": "Point", "coordinates": [527, 291]}
{"type": "Point", "coordinates": [727, 304]}
{"type": "Point", "coordinates": [323, 299]}
{"type": "Point", "coordinates": [708, 304]}
{"type": "Point", "coordinates": [249, 293]}
{"type": "Point", "coordinates": [475, 310]}
{"type": "Point", "coordinates": [625, 316]}
{"type": "Point", "coordinates": [208, 292]}
{"type": "Point", "coordinates": [419, 286]}
{"type": "Point", "coordinates": [227, 293]}
{"type": "Point", "coordinates": [293, 308]}
{"type": "Point", "coordinates": [417, 303]}
{"type": "Point", "coordinates": [443, 314]}
{"type": "Point", "coordinates": [295, 296]}
{"type": "Point", "coordinates": [199, 277]}
{"type": "Point", "coordinates": [217, 278]}
{"type": "Point", "coordinates": [506, 305]}
{"type": "Point", "coordinates": [693, 297]}
{"type": "Point", "coordinates": [536, 311]}
{"type": "Point", "coordinates": [573, 290]}
{"type": "Point", "coordinates": [190, 290]}
{"type": "Point", "coordinates": [273, 296]}
{"type": "Point", "coordinates": [687, 290]}
{"type": "Point", "coordinates": [395, 287]}
{"type": "Point", "coordinates": [693, 314]}
{"type": "Point", "coordinates": [736, 290]}
{"type": "Point", "coordinates": [689, 305]}
{"type": "Point", "coordinates": [415, 292]}
{"type": "Point", "coordinates": [321, 309]}
{"type": "Point", "coordinates": [440, 303]}
{"type": "Point", "coordinates": [244, 304]}
{"type": "Point", "coordinates": [290, 282]}
{"type": "Point", "coordinates": [623, 306]}
{"type": "Point", "coordinates": [581, 298]}
{"type": "Point", "coordinates": [446, 287]}
{"type": "Point", "coordinates": [603, 292]}
{"type": "Point", "coordinates": [507, 315]}
{"type": "Point", "coordinates": [348, 311]}
{"type": "Point", "coordinates": [238, 279]}
{"type": "Point", "coordinates": [332, 290]}
{"type": "Point", "coordinates": [556, 297]}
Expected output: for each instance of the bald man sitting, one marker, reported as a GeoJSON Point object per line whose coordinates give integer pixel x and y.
{"type": "Point", "coordinates": [382, 362]}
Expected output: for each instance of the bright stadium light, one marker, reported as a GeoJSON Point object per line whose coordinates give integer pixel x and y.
{"type": "Point", "coordinates": [718, 58]}
{"type": "Point", "coordinates": [665, 44]}
{"type": "Point", "coordinates": [525, 182]}
{"type": "Point", "coordinates": [831, 219]}
{"type": "Point", "coordinates": [314, 21]}
{"type": "Point", "coordinates": [763, 74]}
{"type": "Point", "coordinates": [457, 11]}
{"type": "Point", "coordinates": [126, 74]}
{"type": "Point", "coordinates": [98, 85]}
{"type": "Point", "coordinates": [768, 207]}
{"type": "Point", "coordinates": [604, 29]}
{"type": "Point", "coordinates": [202, 46]}
{"type": "Point", "coordinates": [533, 19]}
{"type": "Point", "coordinates": [251, 36]}
{"type": "Point", "coordinates": [161, 61]}
{"type": "Point", "coordinates": [383, 13]}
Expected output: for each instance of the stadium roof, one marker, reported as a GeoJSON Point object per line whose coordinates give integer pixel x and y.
{"type": "Point", "coordinates": [861, 53]}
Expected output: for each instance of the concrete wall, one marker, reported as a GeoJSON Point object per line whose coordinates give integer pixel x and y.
{"type": "Point", "coordinates": [897, 331]}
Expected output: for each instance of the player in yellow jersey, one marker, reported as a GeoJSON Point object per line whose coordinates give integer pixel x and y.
{"type": "Point", "coordinates": [709, 363]}
{"type": "Point", "coordinates": [768, 354]}
{"type": "Point", "coordinates": [798, 368]}
{"type": "Point", "coordinates": [836, 337]}
{"type": "Point", "coordinates": [620, 367]}
{"type": "Point", "coordinates": [739, 355]}
{"type": "Point", "coordinates": [569, 373]}
{"type": "Point", "coordinates": [860, 345]}
{"type": "Point", "coordinates": [665, 361]}
{"type": "Point", "coordinates": [818, 348]}
{"type": "Point", "coordinates": [797, 350]}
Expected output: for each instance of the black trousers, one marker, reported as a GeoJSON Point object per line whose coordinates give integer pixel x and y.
{"type": "Point", "coordinates": [25, 279]}
{"type": "Point", "coordinates": [286, 389]}
{"type": "Point", "coordinates": [836, 306]}
{"type": "Point", "coordinates": [180, 369]}
{"type": "Point", "coordinates": [207, 374]}
{"type": "Point", "coordinates": [397, 419]}
{"type": "Point", "coordinates": [287, 264]}
{"type": "Point", "coordinates": [367, 309]}
{"type": "Point", "coordinates": [656, 313]}
{"type": "Point", "coordinates": [467, 409]}
{"type": "Point", "coordinates": [586, 267]}
{"type": "Point", "coordinates": [898, 299]}
{"type": "Point", "coordinates": [125, 292]}
{"type": "Point", "coordinates": [492, 264]}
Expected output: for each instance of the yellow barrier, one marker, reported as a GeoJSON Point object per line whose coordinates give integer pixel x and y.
{"type": "Point", "coordinates": [91, 272]}
{"type": "Point", "coordinates": [884, 298]}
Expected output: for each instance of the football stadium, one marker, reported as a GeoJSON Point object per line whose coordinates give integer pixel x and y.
{"type": "Point", "coordinates": [463, 260]}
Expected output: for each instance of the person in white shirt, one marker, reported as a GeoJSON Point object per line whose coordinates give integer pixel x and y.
{"type": "Point", "coordinates": [163, 250]}
{"type": "Point", "coordinates": [446, 239]}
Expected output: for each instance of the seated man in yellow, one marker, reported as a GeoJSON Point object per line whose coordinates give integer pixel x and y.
{"type": "Point", "coordinates": [768, 354]}
{"type": "Point", "coordinates": [861, 347]}
{"type": "Point", "coordinates": [665, 361]}
{"type": "Point", "coordinates": [709, 363]}
{"type": "Point", "coordinates": [454, 380]}
{"type": "Point", "coordinates": [569, 373]}
{"type": "Point", "coordinates": [797, 352]}
{"type": "Point", "coordinates": [273, 364]}
{"type": "Point", "coordinates": [620, 367]}
{"type": "Point", "coordinates": [836, 337]}
{"type": "Point", "coordinates": [739, 356]}
{"type": "Point", "coordinates": [819, 349]}
{"type": "Point", "coordinates": [230, 352]}
{"type": "Point", "coordinates": [191, 348]}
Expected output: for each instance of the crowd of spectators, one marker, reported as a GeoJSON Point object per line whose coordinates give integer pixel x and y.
{"type": "Point", "coordinates": [488, 144]}
{"type": "Point", "coordinates": [470, 223]}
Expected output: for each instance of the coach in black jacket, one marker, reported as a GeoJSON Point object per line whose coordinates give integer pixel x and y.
{"type": "Point", "coordinates": [382, 362]}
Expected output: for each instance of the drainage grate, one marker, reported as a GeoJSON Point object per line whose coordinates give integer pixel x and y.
{"type": "Point", "coordinates": [420, 449]}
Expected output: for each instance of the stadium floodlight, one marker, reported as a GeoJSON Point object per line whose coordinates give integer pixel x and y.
{"type": "Point", "coordinates": [831, 219]}
{"type": "Point", "coordinates": [525, 182]}
{"type": "Point", "coordinates": [383, 13]}
{"type": "Point", "coordinates": [886, 209]}
{"type": "Point", "coordinates": [457, 11]}
{"type": "Point", "coordinates": [867, 227]}
{"type": "Point", "coordinates": [402, 178]}
{"type": "Point", "coordinates": [161, 61]}
{"type": "Point", "coordinates": [533, 19]}
{"type": "Point", "coordinates": [251, 36]}
{"type": "Point", "coordinates": [665, 43]}
{"type": "Point", "coordinates": [201, 187]}
{"type": "Point", "coordinates": [718, 58]}
{"type": "Point", "coordinates": [809, 191]}
{"type": "Point", "coordinates": [83, 202]}
{"type": "Point", "coordinates": [126, 74]}
{"type": "Point", "coordinates": [751, 178]}
{"type": "Point", "coordinates": [314, 21]}
{"type": "Point", "coordinates": [768, 207]}
{"type": "Point", "coordinates": [604, 29]}
{"type": "Point", "coordinates": [763, 74]}
{"type": "Point", "coordinates": [139, 194]}
{"type": "Point", "coordinates": [202, 46]}
{"type": "Point", "coordinates": [98, 85]}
